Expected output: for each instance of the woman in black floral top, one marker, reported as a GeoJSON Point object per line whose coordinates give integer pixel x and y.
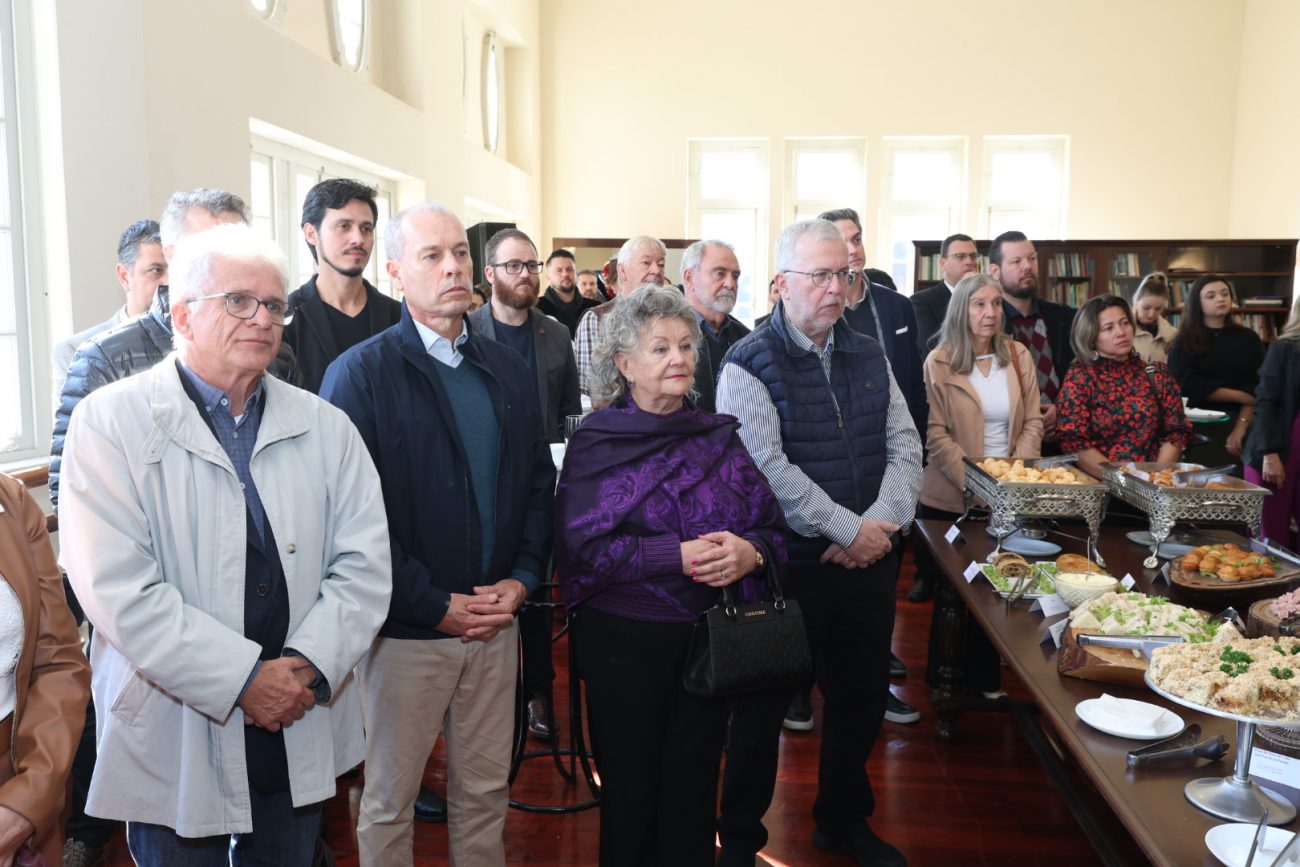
{"type": "Point", "coordinates": [1114, 406]}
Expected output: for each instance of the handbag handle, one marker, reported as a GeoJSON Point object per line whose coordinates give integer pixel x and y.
{"type": "Point", "coordinates": [771, 579]}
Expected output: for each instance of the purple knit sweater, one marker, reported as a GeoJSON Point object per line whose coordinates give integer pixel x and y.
{"type": "Point", "coordinates": [635, 485]}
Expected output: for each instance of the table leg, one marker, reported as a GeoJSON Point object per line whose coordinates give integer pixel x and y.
{"type": "Point", "coordinates": [947, 698]}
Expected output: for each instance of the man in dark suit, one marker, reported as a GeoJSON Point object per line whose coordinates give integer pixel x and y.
{"type": "Point", "coordinates": [957, 258]}
{"type": "Point", "coordinates": [337, 308]}
{"type": "Point", "coordinates": [1043, 326]}
{"type": "Point", "coordinates": [711, 278]}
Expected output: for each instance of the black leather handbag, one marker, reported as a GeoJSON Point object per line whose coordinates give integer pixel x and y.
{"type": "Point", "coordinates": [741, 647]}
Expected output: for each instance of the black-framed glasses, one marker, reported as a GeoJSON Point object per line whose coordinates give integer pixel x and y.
{"type": "Point", "coordinates": [242, 306]}
{"type": "Point", "coordinates": [962, 257]}
{"type": "Point", "coordinates": [515, 267]}
{"type": "Point", "coordinates": [821, 279]}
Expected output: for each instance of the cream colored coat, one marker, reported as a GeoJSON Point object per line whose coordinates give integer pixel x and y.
{"type": "Point", "coordinates": [956, 426]}
{"type": "Point", "coordinates": [152, 522]}
{"type": "Point", "coordinates": [1155, 347]}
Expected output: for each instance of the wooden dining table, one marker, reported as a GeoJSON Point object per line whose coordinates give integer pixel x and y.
{"type": "Point", "coordinates": [1149, 804]}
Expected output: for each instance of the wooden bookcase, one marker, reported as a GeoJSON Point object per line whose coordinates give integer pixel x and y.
{"type": "Point", "coordinates": [1069, 272]}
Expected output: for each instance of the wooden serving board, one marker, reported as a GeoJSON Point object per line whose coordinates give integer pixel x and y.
{"type": "Point", "coordinates": [1261, 623]}
{"type": "Point", "coordinates": [1104, 664]}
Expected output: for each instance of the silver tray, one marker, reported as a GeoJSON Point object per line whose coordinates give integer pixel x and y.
{"type": "Point", "coordinates": [1240, 502]}
{"type": "Point", "coordinates": [1009, 501]}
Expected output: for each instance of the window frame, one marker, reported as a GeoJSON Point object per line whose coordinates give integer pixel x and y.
{"type": "Point", "coordinates": [953, 207]}
{"type": "Point", "coordinates": [795, 208]}
{"type": "Point", "coordinates": [1057, 147]}
{"type": "Point", "coordinates": [336, 37]}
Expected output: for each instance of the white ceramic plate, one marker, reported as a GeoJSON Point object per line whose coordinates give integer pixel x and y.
{"type": "Point", "coordinates": [1167, 725]}
{"type": "Point", "coordinates": [1231, 843]}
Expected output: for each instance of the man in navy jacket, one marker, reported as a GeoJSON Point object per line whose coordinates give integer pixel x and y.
{"type": "Point", "coordinates": [453, 424]}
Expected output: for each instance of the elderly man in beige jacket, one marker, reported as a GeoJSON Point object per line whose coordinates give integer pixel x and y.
{"type": "Point", "coordinates": [227, 536]}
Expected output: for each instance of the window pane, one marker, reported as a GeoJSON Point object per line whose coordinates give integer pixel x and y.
{"type": "Point", "coordinates": [903, 230]}
{"type": "Point", "coordinates": [11, 423]}
{"type": "Point", "coordinates": [825, 174]}
{"type": "Point", "coordinates": [1035, 224]}
{"type": "Point", "coordinates": [351, 15]}
{"type": "Point", "coordinates": [924, 176]}
{"type": "Point", "coordinates": [262, 7]}
{"type": "Point", "coordinates": [8, 302]}
{"type": "Point", "coordinates": [262, 198]}
{"type": "Point", "coordinates": [384, 283]}
{"type": "Point", "coordinates": [4, 174]}
{"type": "Point", "coordinates": [739, 228]}
{"type": "Point", "coordinates": [1023, 176]}
{"type": "Point", "coordinates": [303, 181]}
{"type": "Point", "coordinates": [733, 175]}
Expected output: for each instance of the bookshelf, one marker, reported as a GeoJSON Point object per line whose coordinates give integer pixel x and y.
{"type": "Point", "coordinates": [1070, 272]}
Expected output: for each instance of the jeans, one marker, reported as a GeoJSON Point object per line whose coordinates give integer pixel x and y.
{"type": "Point", "coordinates": [287, 839]}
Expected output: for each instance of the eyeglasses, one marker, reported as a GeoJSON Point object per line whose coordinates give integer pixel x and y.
{"type": "Point", "coordinates": [243, 306]}
{"type": "Point", "coordinates": [821, 279]}
{"type": "Point", "coordinates": [963, 257]}
{"type": "Point", "coordinates": [514, 267]}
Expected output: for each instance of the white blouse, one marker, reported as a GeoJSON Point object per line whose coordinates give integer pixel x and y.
{"type": "Point", "coordinates": [11, 645]}
{"type": "Point", "coordinates": [994, 393]}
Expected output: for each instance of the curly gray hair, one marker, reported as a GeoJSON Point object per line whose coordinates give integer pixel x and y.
{"type": "Point", "coordinates": [624, 326]}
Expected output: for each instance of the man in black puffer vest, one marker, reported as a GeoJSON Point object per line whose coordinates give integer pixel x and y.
{"type": "Point", "coordinates": [824, 419]}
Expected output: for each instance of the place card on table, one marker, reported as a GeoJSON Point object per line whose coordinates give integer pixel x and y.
{"type": "Point", "coordinates": [952, 535]}
{"type": "Point", "coordinates": [1163, 574]}
{"type": "Point", "coordinates": [971, 571]}
{"type": "Point", "coordinates": [1127, 582]}
{"type": "Point", "coordinates": [1050, 605]}
{"type": "Point", "coordinates": [1055, 631]}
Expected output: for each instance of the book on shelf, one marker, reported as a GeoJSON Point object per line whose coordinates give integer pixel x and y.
{"type": "Point", "coordinates": [1264, 301]}
{"type": "Point", "coordinates": [1128, 265]}
{"type": "Point", "coordinates": [928, 269]}
{"type": "Point", "coordinates": [1072, 293]}
{"type": "Point", "coordinates": [1070, 265]}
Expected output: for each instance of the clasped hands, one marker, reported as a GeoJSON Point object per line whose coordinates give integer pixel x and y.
{"type": "Point", "coordinates": [718, 559]}
{"type": "Point", "coordinates": [489, 610]}
{"type": "Point", "coordinates": [279, 693]}
{"type": "Point", "coordinates": [869, 545]}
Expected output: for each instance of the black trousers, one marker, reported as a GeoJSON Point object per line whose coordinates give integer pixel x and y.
{"type": "Point", "coordinates": [91, 830]}
{"type": "Point", "coordinates": [535, 637]}
{"type": "Point", "coordinates": [849, 616]}
{"type": "Point", "coordinates": [980, 660]}
{"type": "Point", "coordinates": [656, 746]}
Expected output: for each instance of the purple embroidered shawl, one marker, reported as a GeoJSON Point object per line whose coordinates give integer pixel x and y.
{"type": "Point", "coordinates": [635, 485]}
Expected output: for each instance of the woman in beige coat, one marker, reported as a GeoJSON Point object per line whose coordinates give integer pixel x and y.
{"type": "Point", "coordinates": [1154, 334]}
{"type": "Point", "coordinates": [983, 392]}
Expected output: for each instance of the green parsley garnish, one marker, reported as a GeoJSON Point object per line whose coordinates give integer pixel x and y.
{"type": "Point", "coordinates": [1281, 674]}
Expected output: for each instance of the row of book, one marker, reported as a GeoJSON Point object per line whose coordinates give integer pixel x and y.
{"type": "Point", "coordinates": [1069, 265]}
{"type": "Point", "coordinates": [1130, 265]}
{"type": "Point", "coordinates": [1072, 293]}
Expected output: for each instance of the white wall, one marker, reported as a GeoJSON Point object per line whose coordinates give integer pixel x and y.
{"type": "Point", "coordinates": [1147, 92]}
{"type": "Point", "coordinates": [157, 96]}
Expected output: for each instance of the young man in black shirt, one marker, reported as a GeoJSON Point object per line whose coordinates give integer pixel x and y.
{"type": "Point", "coordinates": [562, 299]}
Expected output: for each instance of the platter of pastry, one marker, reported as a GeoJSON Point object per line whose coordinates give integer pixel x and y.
{"type": "Point", "coordinates": [1248, 679]}
{"type": "Point", "coordinates": [1017, 471]}
{"type": "Point", "coordinates": [1007, 569]}
{"type": "Point", "coordinates": [1228, 567]}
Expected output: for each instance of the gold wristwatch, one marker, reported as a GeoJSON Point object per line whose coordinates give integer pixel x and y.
{"type": "Point", "coordinates": [759, 561]}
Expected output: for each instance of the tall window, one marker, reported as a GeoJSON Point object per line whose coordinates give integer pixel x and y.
{"type": "Point", "coordinates": [348, 25]}
{"type": "Point", "coordinates": [922, 196]}
{"type": "Point", "coordinates": [823, 174]}
{"type": "Point", "coordinates": [1025, 185]}
{"type": "Point", "coordinates": [280, 178]}
{"type": "Point", "coordinates": [728, 201]}
{"type": "Point", "coordinates": [18, 426]}
{"type": "Point", "coordinates": [264, 8]}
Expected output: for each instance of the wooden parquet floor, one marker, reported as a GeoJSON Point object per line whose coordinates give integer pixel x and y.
{"type": "Point", "coordinates": [981, 801]}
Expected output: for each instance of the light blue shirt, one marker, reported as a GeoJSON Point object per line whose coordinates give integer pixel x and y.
{"type": "Point", "coordinates": [439, 347]}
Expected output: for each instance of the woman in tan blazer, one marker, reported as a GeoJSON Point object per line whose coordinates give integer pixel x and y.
{"type": "Point", "coordinates": [43, 696]}
{"type": "Point", "coordinates": [983, 391]}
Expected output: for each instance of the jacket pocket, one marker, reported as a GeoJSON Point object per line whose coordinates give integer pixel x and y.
{"type": "Point", "coordinates": [133, 698]}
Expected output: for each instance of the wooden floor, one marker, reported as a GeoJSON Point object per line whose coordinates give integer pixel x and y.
{"type": "Point", "coordinates": [981, 801]}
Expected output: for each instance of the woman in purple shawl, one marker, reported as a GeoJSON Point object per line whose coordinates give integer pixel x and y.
{"type": "Point", "coordinates": [659, 506]}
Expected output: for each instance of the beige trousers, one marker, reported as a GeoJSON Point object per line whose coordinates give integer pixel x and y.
{"type": "Point", "coordinates": [410, 689]}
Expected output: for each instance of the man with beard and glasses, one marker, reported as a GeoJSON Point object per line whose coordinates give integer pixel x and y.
{"type": "Point", "coordinates": [1043, 326]}
{"type": "Point", "coordinates": [453, 424]}
{"type": "Point", "coordinates": [711, 277]}
{"type": "Point", "coordinates": [512, 269]}
{"type": "Point", "coordinates": [640, 260]}
{"type": "Point", "coordinates": [337, 308]}
{"type": "Point", "coordinates": [562, 300]}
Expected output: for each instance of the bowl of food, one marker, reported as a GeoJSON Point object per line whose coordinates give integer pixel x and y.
{"type": "Point", "coordinates": [1076, 588]}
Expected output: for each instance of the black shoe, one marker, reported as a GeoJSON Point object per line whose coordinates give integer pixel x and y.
{"type": "Point", "coordinates": [538, 726]}
{"type": "Point", "coordinates": [799, 717]}
{"type": "Point", "coordinates": [430, 806]}
{"type": "Point", "coordinates": [78, 854]}
{"type": "Point", "coordinates": [896, 668]}
{"type": "Point", "coordinates": [862, 845]}
{"type": "Point", "coordinates": [922, 589]}
{"type": "Point", "coordinates": [899, 711]}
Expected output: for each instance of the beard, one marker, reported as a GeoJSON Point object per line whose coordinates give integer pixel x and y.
{"type": "Point", "coordinates": [518, 296]}
{"type": "Point", "coordinates": [346, 272]}
{"type": "Point", "coordinates": [723, 302]}
{"type": "Point", "coordinates": [1022, 290]}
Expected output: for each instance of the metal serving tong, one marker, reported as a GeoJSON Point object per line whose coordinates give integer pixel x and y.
{"type": "Point", "coordinates": [1055, 461]}
{"type": "Point", "coordinates": [1021, 587]}
{"type": "Point", "coordinates": [1193, 477]}
{"type": "Point", "coordinates": [1147, 644]}
{"type": "Point", "coordinates": [1290, 854]}
{"type": "Point", "coordinates": [1258, 840]}
{"type": "Point", "coordinates": [1187, 744]}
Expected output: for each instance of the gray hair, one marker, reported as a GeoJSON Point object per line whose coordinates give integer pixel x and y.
{"type": "Point", "coordinates": [631, 245]}
{"type": "Point", "coordinates": [817, 230]}
{"type": "Point", "coordinates": [954, 333]}
{"type": "Point", "coordinates": [215, 202]}
{"type": "Point", "coordinates": [623, 327]}
{"type": "Point", "coordinates": [128, 245]}
{"type": "Point", "coordinates": [196, 256]}
{"type": "Point", "coordinates": [694, 253]}
{"type": "Point", "coordinates": [395, 229]}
